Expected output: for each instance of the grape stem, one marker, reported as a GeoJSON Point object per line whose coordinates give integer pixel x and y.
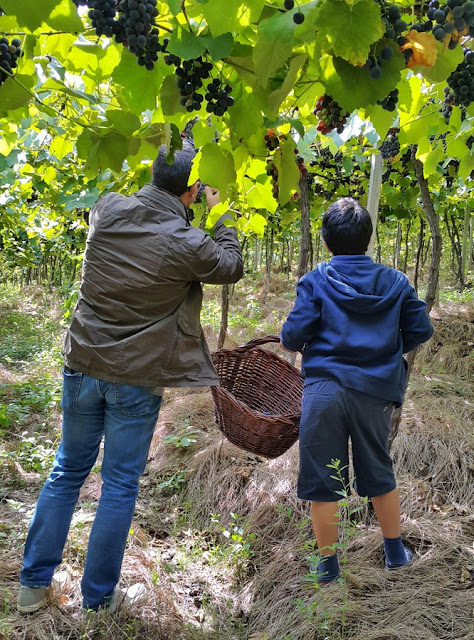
{"type": "Point", "coordinates": [160, 26]}
{"type": "Point", "coordinates": [419, 118]}
{"type": "Point", "coordinates": [183, 9]}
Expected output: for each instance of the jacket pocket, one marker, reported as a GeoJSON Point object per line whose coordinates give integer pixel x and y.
{"type": "Point", "coordinates": [189, 313]}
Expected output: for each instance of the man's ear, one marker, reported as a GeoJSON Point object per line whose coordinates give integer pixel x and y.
{"type": "Point", "coordinates": [193, 189]}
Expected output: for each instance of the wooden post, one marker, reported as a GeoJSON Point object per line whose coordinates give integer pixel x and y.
{"type": "Point", "coordinates": [373, 198]}
{"type": "Point", "coordinates": [466, 257]}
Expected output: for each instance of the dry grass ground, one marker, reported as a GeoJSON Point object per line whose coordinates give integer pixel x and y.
{"type": "Point", "coordinates": [221, 541]}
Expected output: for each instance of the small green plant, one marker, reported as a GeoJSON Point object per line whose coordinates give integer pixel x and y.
{"type": "Point", "coordinates": [239, 543]}
{"type": "Point", "coordinates": [31, 454]}
{"type": "Point", "coordinates": [185, 437]}
{"type": "Point", "coordinates": [175, 482]}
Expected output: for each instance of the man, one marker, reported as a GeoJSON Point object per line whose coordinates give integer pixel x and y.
{"type": "Point", "coordinates": [135, 329]}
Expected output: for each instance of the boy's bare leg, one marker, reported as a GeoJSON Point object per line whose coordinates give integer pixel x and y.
{"type": "Point", "coordinates": [325, 516]}
{"type": "Point", "coordinates": [387, 510]}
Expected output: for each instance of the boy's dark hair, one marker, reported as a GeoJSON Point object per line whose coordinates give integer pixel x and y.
{"type": "Point", "coordinates": [174, 177]}
{"type": "Point", "coordinates": [347, 227]}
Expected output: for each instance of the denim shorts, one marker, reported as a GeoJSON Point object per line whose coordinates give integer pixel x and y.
{"type": "Point", "coordinates": [331, 415]}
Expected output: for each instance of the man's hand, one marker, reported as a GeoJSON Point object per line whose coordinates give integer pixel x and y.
{"type": "Point", "coordinates": [212, 196]}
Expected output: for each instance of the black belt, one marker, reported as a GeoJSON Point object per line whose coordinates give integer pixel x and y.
{"type": "Point", "coordinates": [69, 370]}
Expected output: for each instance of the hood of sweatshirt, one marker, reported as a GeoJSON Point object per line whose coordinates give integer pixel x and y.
{"type": "Point", "coordinates": [352, 282]}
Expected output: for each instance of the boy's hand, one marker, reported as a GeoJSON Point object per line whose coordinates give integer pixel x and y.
{"type": "Point", "coordinates": [212, 196]}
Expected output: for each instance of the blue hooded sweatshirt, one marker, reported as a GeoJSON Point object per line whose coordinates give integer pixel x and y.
{"type": "Point", "coordinates": [355, 319]}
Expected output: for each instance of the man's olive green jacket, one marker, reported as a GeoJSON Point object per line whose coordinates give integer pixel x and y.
{"type": "Point", "coordinates": [137, 318]}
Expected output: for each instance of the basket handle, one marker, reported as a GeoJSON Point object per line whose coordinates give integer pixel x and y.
{"type": "Point", "coordinates": [256, 342]}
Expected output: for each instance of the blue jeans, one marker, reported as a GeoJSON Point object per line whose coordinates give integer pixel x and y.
{"type": "Point", "coordinates": [126, 416]}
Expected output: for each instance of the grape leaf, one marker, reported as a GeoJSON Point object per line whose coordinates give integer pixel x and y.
{"type": "Point", "coordinates": [186, 45]}
{"type": "Point", "coordinates": [222, 19]}
{"type": "Point", "coordinates": [446, 63]}
{"type": "Point", "coordinates": [260, 196]}
{"type": "Point", "coordinates": [220, 47]}
{"type": "Point", "coordinates": [216, 167]}
{"type": "Point", "coordinates": [30, 14]}
{"type": "Point", "coordinates": [245, 117]}
{"type": "Point", "coordinates": [288, 172]}
{"type": "Point", "coordinates": [276, 97]}
{"type": "Point", "coordinates": [170, 97]}
{"type": "Point", "coordinates": [353, 87]}
{"type": "Point", "coordinates": [102, 150]}
{"type": "Point", "coordinates": [269, 56]}
{"type": "Point", "coordinates": [13, 94]}
{"type": "Point", "coordinates": [466, 166]}
{"type": "Point", "coordinates": [140, 86]}
{"type": "Point", "coordinates": [63, 17]}
{"type": "Point", "coordinates": [282, 27]}
{"type": "Point", "coordinates": [123, 121]}
{"type": "Point", "coordinates": [257, 224]}
{"type": "Point", "coordinates": [349, 30]}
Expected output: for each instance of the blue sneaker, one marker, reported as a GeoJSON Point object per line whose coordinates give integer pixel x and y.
{"type": "Point", "coordinates": [397, 565]}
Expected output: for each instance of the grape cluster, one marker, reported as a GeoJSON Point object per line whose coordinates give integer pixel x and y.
{"type": "Point", "coordinates": [135, 22]}
{"type": "Point", "coordinates": [423, 27]}
{"type": "Point", "coordinates": [273, 172]}
{"type": "Point", "coordinates": [187, 134]}
{"type": "Point", "coordinates": [461, 81]}
{"type": "Point", "coordinates": [331, 115]}
{"type": "Point", "coordinates": [454, 20]}
{"type": "Point", "coordinates": [375, 63]}
{"type": "Point", "coordinates": [191, 75]}
{"type": "Point", "coordinates": [134, 27]}
{"type": "Point", "coordinates": [271, 140]}
{"type": "Point", "coordinates": [390, 147]}
{"type": "Point", "coordinates": [9, 54]}
{"type": "Point", "coordinates": [389, 103]}
{"type": "Point", "coordinates": [393, 22]}
{"type": "Point", "coordinates": [218, 97]}
{"type": "Point", "coordinates": [102, 14]}
{"type": "Point", "coordinates": [298, 16]}
{"type": "Point", "coordinates": [448, 102]}
{"type": "Point", "coordinates": [301, 165]}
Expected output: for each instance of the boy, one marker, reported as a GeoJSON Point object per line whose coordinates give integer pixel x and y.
{"type": "Point", "coordinates": [355, 319]}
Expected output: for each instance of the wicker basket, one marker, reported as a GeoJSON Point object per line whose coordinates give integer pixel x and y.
{"type": "Point", "coordinates": [258, 405]}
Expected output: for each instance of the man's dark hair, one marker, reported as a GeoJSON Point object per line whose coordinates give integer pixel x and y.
{"type": "Point", "coordinates": [347, 227]}
{"type": "Point", "coordinates": [174, 177]}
